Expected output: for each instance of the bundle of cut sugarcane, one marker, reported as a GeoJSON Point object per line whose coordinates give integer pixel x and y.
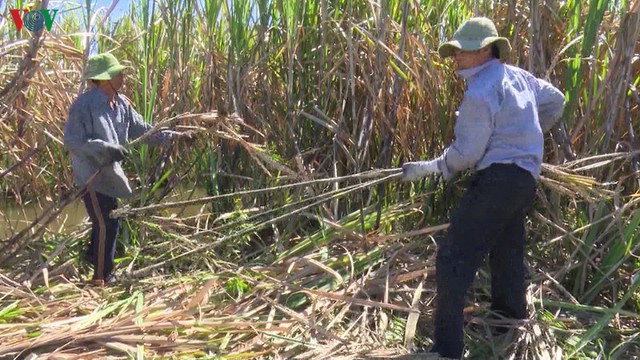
{"type": "Point", "coordinates": [568, 182]}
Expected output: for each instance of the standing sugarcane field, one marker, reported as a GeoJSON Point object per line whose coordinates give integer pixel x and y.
{"type": "Point", "coordinates": [320, 179]}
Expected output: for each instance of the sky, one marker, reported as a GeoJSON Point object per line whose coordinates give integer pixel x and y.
{"type": "Point", "coordinates": [75, 8]}
{"type": "Point", "coordinates": [121, 7]}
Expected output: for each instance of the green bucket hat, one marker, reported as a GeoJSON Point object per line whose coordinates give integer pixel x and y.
{"type": "Point", "coordinates": [103, 67]}
{"type": "Point", "coordinates": [475, 34]}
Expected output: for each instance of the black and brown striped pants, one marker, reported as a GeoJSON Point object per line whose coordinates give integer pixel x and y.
{"type": "Point", "coordinates": [104, 230]}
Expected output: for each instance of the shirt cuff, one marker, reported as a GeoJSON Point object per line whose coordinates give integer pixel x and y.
{"type": "Point", "coordinates": [442, 166]}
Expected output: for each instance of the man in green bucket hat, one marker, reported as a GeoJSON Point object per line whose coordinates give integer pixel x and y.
{"type": "Point", "coordinates": [99, 122]}
{"type": "Point", "coordinates": [498, 136]}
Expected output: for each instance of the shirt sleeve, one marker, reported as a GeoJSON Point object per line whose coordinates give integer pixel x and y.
{"type": "Point", "coordinates": [472, 131]}
{"type": "Point", "coordinates": [75, 134]}
{"type": "Point", "coordinates": [550, 104]}
{"type": "Point", "coordinates": [137, 125]}
{"type": "Point", "coordinates": [79, 141]}
{"type": "Point", "coordinates": [137, 128]}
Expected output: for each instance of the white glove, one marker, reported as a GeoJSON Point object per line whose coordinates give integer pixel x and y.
{"type": "Point", "coordinates": [416, 170]}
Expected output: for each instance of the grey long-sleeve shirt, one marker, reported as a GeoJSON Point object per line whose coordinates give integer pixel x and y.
{"type": "Point", "coordinates": [91, 128]}
{"type": "Point", "coordinates": [502, 118]}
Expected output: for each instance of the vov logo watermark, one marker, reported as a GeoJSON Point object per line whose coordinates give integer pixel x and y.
{"type": "Point", "coordinates": [33, 20]}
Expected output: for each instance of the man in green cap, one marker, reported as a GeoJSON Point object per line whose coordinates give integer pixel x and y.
{"type": "Point", "coordinates": [499, 136]}
{"type": "Point", "coordinates": [99, 122]}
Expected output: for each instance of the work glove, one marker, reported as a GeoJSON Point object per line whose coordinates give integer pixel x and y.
{"type": "Point", "coordinates": [117, 152]}
{"type": "Point", "coordinates": [103, 153]}
{"type": "Point", "coordinates": [163, 138]}
{"type": "Point", "coordinates": [416, 170]}
{"type": "Point", "coordinates": [188, 137]}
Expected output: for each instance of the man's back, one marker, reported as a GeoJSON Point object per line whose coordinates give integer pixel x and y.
{"type": "Point", "coordinates": [513, 96]}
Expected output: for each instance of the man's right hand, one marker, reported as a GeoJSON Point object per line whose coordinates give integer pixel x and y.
{"type": "Point", "coordinates": [118, 152]}
{"type": "Point", "coordinates": [416, 170]}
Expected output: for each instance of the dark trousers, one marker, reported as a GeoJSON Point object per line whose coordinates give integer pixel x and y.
{"type": "Point", "coordinates": [104, 230]}
{"type": "Point", "coordinates": [488, 220]}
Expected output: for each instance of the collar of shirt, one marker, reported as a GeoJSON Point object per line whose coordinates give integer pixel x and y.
{"type": "Point", "coordinates": [470, 73]}
{"type": "Point", "coordinates": [102, 97]}
{"type": "Point", "coordinates": [98, 95]}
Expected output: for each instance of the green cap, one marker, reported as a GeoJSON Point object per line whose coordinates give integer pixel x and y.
{"type": "Point", "coordinates": [103, 67]}
{"type": "Point", "coordinates": [475, 34]}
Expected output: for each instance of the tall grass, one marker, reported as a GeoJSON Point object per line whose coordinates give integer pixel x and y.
{"type": "Point", "coordinates": [324, 89]}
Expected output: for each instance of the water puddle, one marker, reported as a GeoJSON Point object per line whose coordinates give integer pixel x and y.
{"type": "Point", "coordinates": [14, 218]}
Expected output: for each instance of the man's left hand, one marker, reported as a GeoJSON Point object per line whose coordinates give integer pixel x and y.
{"type": "Point", "coordinates": [187, 136]}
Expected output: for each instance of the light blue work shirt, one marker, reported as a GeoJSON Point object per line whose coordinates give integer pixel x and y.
{"type": "Point", "coordinates": [92, 127]}
{"type": "Point", "coordinates": [502, 118]}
